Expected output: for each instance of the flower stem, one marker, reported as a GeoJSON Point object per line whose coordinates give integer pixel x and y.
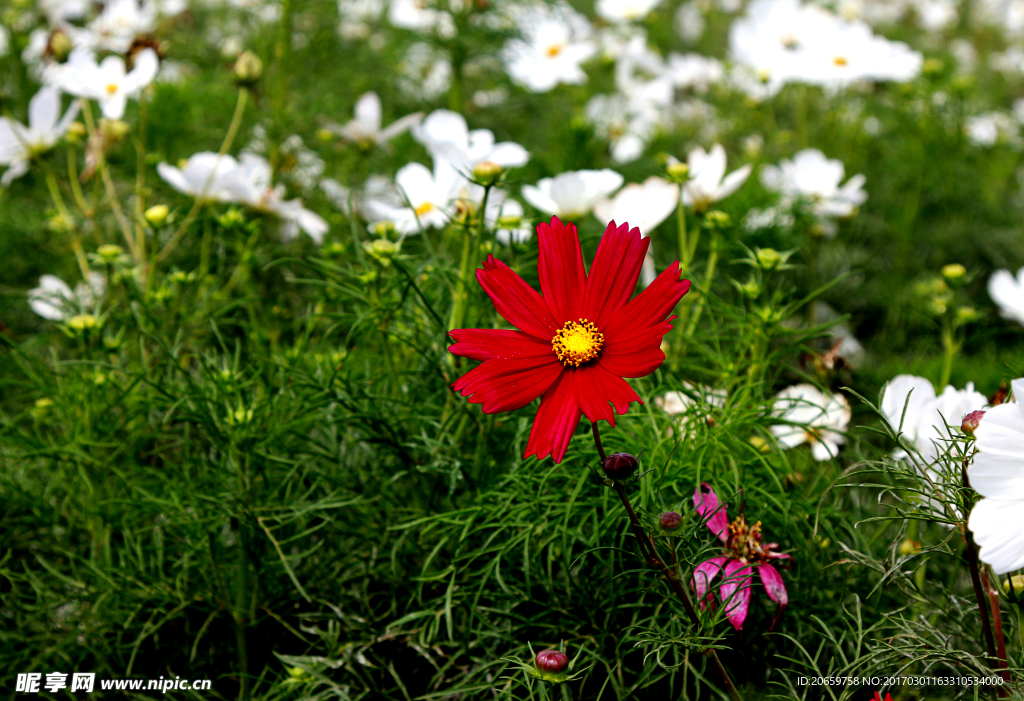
{"type": "Point", "coordinates": [597, 441]}
{"type": "Point", "coordinates": [650, 553]}
{"type": "Point", "coordinates": [108, 183]}
{"type": "Point", "coordinates": [997, 619]}
{"type": "Point", "coordinates": [684, 247]}
{"type": "Point", "coordinates": [709, 274]}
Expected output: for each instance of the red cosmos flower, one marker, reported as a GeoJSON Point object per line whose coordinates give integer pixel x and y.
{"type": "Point", "coordinates": [577, 341]}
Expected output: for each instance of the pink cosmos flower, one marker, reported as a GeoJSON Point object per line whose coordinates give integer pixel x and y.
{"type": "Point", "coordinates": [744, 553]}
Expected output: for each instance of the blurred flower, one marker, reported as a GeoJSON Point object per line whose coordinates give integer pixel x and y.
{"type": "Point", "coordinates": [989, 128]}
{"type": "Point", "coordinates": [119, 23]}
{"type": "Point", "coordinates": [744, 554]}
{"type": "Point", "coordinates": [365, 128]}
{"type": "Point", "coordinates": [1008, 293]}
{"type": "Point", "coordinates": [708, 182]}
{"type": "Point", "coordinates": [820, 419]}
{"type": "Point", "coordinates": [813, 178]}
{"type": "Point", "coordinates": [926, 416]}
{"type": "Point", "coordinates": [201, 176]}
{"type": "Point", "coordinates": [556, 40]}
{"type": "Point", "coordinates": [448, 138]}
{"type": "Point", "coordinates": [419, 16]}
{"type": "Point", "coordinates": [995, 474]}
{"type": "Point", "coordinates": [693, 403]}
{"type": "Point", "coordinates": [18, 143]}
{"type": "Point", "coordinates": [624, 10]}
{"type": "Point", "coordinates": [694, 71]}
{"type": "Point", "coordinates": [573, 193]}
{"type": "Point", "coordinates": [577, 342]}
{"type": "Point", "coordinates": [107, 82]}
{"type": "Point", "coordinates": [425, 72]}
{"type": "Point", "coordinates": [250, 183]}
{"type": "Point", "coordinates": [509, 225]}
{"type": "Point", "coordinates": [357, 16]}
{"type": "Point", "coordinates": [644, 205]}
{"type": "Point", "coordinates": [427, 196]}
{"type": "Point", "coordinates": [54, 300]}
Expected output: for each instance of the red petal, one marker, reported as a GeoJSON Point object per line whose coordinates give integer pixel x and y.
{"type": "Point", "coordinates": [776, 588]}
{"type": "Point", "coordinates": [595, 387]}
{"type": "Point", "coordinates": [505, 385]}
{"type": "Point", "coordinates": [488, 344]}
{"type": "Point", "coordinates": [704, 573]}
{"type": "Point", "coordinates": [650, 308]}
{"type": "Point", "coordinates": [735, 591]}
{"type": "Point", "coordinates": [706, 502]}
{"type": "Point", "coordinates": [614, 272]}
{"type": "Point", "coordinates": [516, 301]}
{"type": "Point", "coordinates": [560, 266]}
{"type": "Point", "coordinates": [556, 421]}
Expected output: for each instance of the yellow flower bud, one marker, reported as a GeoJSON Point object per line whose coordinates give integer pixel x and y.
{"type": "Point", "coordinates": [157, 214]}
{"type": "Point", "coordinates": [768, 258]}
{"type": "Point", "coordinates": [248, 69]}
{"type": "Point", "coordinates": [680, 172]}
{"type": "Point", "coordinates": [109, 252]}
{"type": "Point", "coordinates": [487, 172]}
{"type": "Point", "coordinates": [83, 322]}
{"type": "Point", "coordinates": [1016, 582]}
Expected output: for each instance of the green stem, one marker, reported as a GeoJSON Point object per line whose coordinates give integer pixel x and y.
{"type": "Point", "coordinates": [709, 274]}
{"type": "Point", "coordinates": [108, 183]}
{"type": "Point", "coordinates": [950, 348]}
{"type": "Point", "coordinates": [684, 246]}
{"type": "Point", "coordinates": [58, 202]}
{"type": "Point", "coordinates": [236, 121]}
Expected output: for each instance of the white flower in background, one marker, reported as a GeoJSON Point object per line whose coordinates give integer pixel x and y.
{"type": "Point", "coordinates": [689, 21]}
{"type": "Point", "coordinates": [424, 72]}
{"type": "Point", "coordinates": [54, 300]}
{"type": "Point", "coordinates": [427, 198]}
{"type": "Point", "coordinates": [812, 178]}
{"type": "Point", "coordinates": [357, 16]}
{"type": "Point", "coordinates": [694, 71]}
{"type": "Point", "coordinates": [107, 82]}
{"type": "Point", "coordinates": [250, 184]}
{"type": "Point", "coordinates": [708, 182]}
{"type": "Point", "coordinates": [627, 131]}
{"type": "Point", "coordinates": [418, 16]}
{"type": "Point", "coordinates": [18, 143]}
{"type": "Point", "coordinates": [1008, 293]}
{"type": "Point", "coordinates": [644, 206]}
{"type": "Point", "coordinates": [624, 10]}
{"type": "Point", "coordinates": [997, 474]}
{"type": "Point", "coordinates": [988, 128]}
{"type": "Point", "coordinates": [1007, 15]}
{"type": "Point", "coordinates": [572, 194]}
{"type": "Point", "coordinates": [449, 140]}
{"type": "Point", "coordinates": [511, 225]}
{"type": "Point", "coordinates": [695, 402]}
{"type": "Point", "coordinates": [556, 40]}
{"type": "Point", "coordinates": [4, 41]}
{"type": "Point", "coordinates": [119, 23]}
{"type": "Point", "coordinates": [821, 417]}
{"type": "Point", "coordinates": [924, 423]}
{"type": "Point", "coordinates": [201, 176]}
{"type": "Point", "coordinates": [365, 128]}
{"type": "Point", "coordinates": [60, 11]}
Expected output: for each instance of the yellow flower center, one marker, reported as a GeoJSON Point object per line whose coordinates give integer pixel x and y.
{"type": "Point", "coordinates": [554, 50]}
{"type": "Point", "coordinates": [111, 88]}
{"type": "Point", "coordinates": [424, 208]}
{"type": "Point", "coordinates": [840, 61]}
{"type": "Point", "coordinates": [577, 342]}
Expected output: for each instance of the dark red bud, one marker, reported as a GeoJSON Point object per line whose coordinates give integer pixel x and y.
{"type": "Point", "coordinates": [971, 422]}
{"type": "Point", "coordinates": [620, 466]}
{"type": "Point", "coordinates": [551, 661]}
{"type": "Point", "coordinates": [670, 520]}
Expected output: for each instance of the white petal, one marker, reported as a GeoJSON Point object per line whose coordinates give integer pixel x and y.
{"type": "Point", "coordinates": [44, 110]}
{"type": "Point", "coordinates": [368, 112]}
{"type": "Point", "coordinates": [998, 468]}
{"type": "Point", "coordinates": [999, 531]}
{"type": "Point", "coordinates": [895, 396]}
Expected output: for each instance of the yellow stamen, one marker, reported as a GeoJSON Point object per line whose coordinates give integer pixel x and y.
{"type": "Point", "coordinates": [111, 88]}
{"type": "Point", "coordinates": [577, 342]}
{"type": "Point", "coordinates": [840, 61]}
{"type": "Point", "coordinates": [424, 208]}
{"type": "Point", "coordinates": [554, 50]}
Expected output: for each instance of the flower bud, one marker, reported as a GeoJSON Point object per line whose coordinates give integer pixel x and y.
{"type": "Point", "coordinates": [680, 172]}
{"type": "Point", "coordinates": [670, 520]}
{"type": "Point", "coordinates": [620, 466]}
{"type": "Point", "coordinates": [965, 315]}
{"type": "Point", "coordinates": [59, 46]}
{"type": "Point", "coordinates": [768, 258]}
{"type": "Point", "coordinates": [909, 546]}
{"type": "Point", "coordinates": [76, 132]}
{"type": "Point", "coordinates": [248, 69]}
{"type": "Point", "coordinates": [382, 229]}
{"type": "Point", "coordinates": [113, 130]}
{"type": "Point", "coordinates": [83, 322]}
{"type": "Point", "coordinates": [717, 219]}
{"type": "Point", "coordinates": [109, 252]}
{"type": "Point", "coordinates": [1016, 582]}
{"type": "Point", "coordinates": [971, 421]}
{"type": "Point", "coordinates": [551, 661]}
{"type": "Point", "coordinates": [487, 172]}
{"type": "Point", "coordinates": [932, 66]}
{"type": "Point", "coordinates": [954, 273]}
{"type": "Point", "coordinates": [157, 214]}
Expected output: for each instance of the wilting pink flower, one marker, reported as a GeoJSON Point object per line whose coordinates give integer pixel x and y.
{"type": "Point", "coordinates": [744, 553]}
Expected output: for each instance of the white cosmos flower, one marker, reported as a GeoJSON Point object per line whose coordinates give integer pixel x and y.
{"type": "Point", "coordinates": [19, 143]}
{"type": "Point", "coordinates": [708, 182]}
{"type": "Point", "coordinates": [107, 82]}
{"type": "Point", "coordinates": [642, 205]}
{"type": "Point", "coordinates": [452, 145]}
{"type": "Point", "coordinates": [54, 299]}
{"type": "Point", "coordinates": [250, 184]}
{"type": "Point", "coordinates": [694, 71]}
{"type": "Point", "coordinates": [624, 10]}
{"type": "Point", "coordinates": [556, 40]}
{"type": "Point", "coordinates": [695, 402]}
{"type": "Point", "coordinates": [573, 193]}
{"type": "Point", "coordinates": [1008, 292]}
{"type": "Point", "coordinates": [417, 15]}
{"type": "Point", "coordinates": [119, 23]}
{"type": "Point", "coordinates": [997, 474]}
{"type": "Point", "coordinates": [201, 176]}
{"type": "Point", "coordinates": [926, 416]}
{"type": "Point", "coordinates": [821, 417]}
{"type": "Point", "coordinates": [428, 195]}
{"type": "Point", "coordinates": [425, 72]}
{"type": "Point", "coordinates": [365, 128]}
{"type": "Point", "coordinates": [813, 178]}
